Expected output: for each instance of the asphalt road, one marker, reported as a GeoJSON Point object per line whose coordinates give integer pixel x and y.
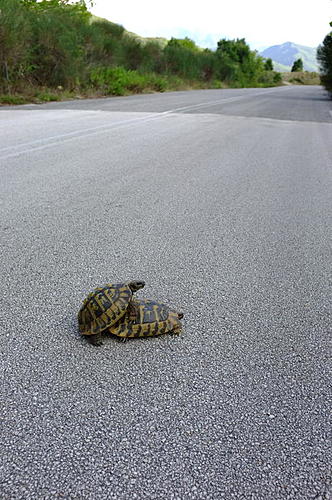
{"type": "Point", "coordinates": [221, 201]}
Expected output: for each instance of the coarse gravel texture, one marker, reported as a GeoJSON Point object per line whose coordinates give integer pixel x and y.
{"type": "Point", "coordinates": [224, 209]}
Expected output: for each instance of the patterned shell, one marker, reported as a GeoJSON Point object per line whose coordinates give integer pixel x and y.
{"type": "Point", "coordinates": [103, 308]}
{"type": "Point", "coordinates": [145, 318]}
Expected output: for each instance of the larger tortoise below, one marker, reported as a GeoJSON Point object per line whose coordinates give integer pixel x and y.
{"type": "Point", "coordinates": [104, 307]}
{"type": "Point", "coordinates": [145, 318]}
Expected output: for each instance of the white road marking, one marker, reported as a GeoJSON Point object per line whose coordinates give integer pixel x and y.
{"type": "Point", "coordinates": [81, 133]}
{"type": "Point", "coordinates": [74, 133]}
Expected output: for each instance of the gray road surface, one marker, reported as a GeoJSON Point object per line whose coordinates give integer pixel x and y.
{"type": "Point", "coordinates": [221, 201]}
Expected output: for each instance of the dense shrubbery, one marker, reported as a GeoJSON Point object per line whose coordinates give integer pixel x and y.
{"type": "Point", "coordinates": [119, 81]}
{"type": "Point", "coordinates": [55, 43]}
{"type": "Point", "coordinates": [324, 56]}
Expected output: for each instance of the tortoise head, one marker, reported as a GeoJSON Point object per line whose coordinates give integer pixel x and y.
{"type": "Point", "coordinates": [136, 285]}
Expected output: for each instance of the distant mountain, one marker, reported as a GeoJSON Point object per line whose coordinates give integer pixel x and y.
{"type": "Point", "coordinates": [284, 55]}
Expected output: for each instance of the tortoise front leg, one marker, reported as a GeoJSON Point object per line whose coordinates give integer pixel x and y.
{"type": "Point", "coordinates": [95, 340]}
{"type": "Point", "coordinates": [177, 330]}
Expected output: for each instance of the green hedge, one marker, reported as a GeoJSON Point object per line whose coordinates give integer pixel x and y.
{"type": "Point", "coordinates": [120, 81]}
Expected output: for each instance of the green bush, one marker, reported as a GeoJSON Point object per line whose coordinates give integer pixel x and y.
{"type": "Point", "coordinates": [46, 96]}
{"type": "Point", "coordinates": [297, 80]}
{"type": "Point", "coordinates": [120, 81]}
{"type": "Point", "coordinates": [217, 84]}
{"type": "Point", "coordinates": [13, 99]}
{"type": "Point", "coordinates": [270, 79]}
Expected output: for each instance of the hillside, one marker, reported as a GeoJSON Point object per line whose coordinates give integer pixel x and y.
{"type": "Point", "coordinates": [284, 55]}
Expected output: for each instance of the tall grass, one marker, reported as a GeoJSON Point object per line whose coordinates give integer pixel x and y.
{"type": "Point", "coordinates": [120, 81]}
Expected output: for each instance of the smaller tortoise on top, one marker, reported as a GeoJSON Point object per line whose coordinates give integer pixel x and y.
{"type": "Point", "coordinates": [104, 307]}
{"type": "Point", "coordinates": [113, 309]}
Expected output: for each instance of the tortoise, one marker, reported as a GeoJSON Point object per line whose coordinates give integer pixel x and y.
{"type": "Point", "coordinates": [104, 307]}
{"type": "Point", "coordinates": [145, 318]}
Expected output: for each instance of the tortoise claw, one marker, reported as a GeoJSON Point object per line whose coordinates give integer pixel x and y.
{"type": "Point", "coordinates": [95, 340]}
{"type": "Point", "coordinates": [175, 331]}
{"type": "Point", "coordinates": [123, 339]}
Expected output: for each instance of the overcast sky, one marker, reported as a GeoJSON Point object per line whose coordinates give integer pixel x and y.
{"type": "Point", "coordinates": [261, 22]}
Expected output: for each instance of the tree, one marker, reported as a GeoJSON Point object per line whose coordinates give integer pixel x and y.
{"type": "Point", "coordinates": [268, 65]}
{"type": "Point", "coordinates": [182, 58]}
{"type": "Point", "coordinates": [59, 41]}
{"type": "Point", "coordinates": [132, 53]}
{"type": "Point", "coordinates": [298, 65]}
{"type": "Point", "coordinates": [152, 57]}
{"type": "Point", "coordinates": [14, 49]}
{"type": "Point", "coordinates": [103, 42]}
{"type": "Point", "coordinates": [324, 56]}
{"type": "Point", "coordinates": [236, 63]}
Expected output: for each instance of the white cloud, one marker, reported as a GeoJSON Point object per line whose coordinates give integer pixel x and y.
{"type": "Point", "coordinates": [262, 23]}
